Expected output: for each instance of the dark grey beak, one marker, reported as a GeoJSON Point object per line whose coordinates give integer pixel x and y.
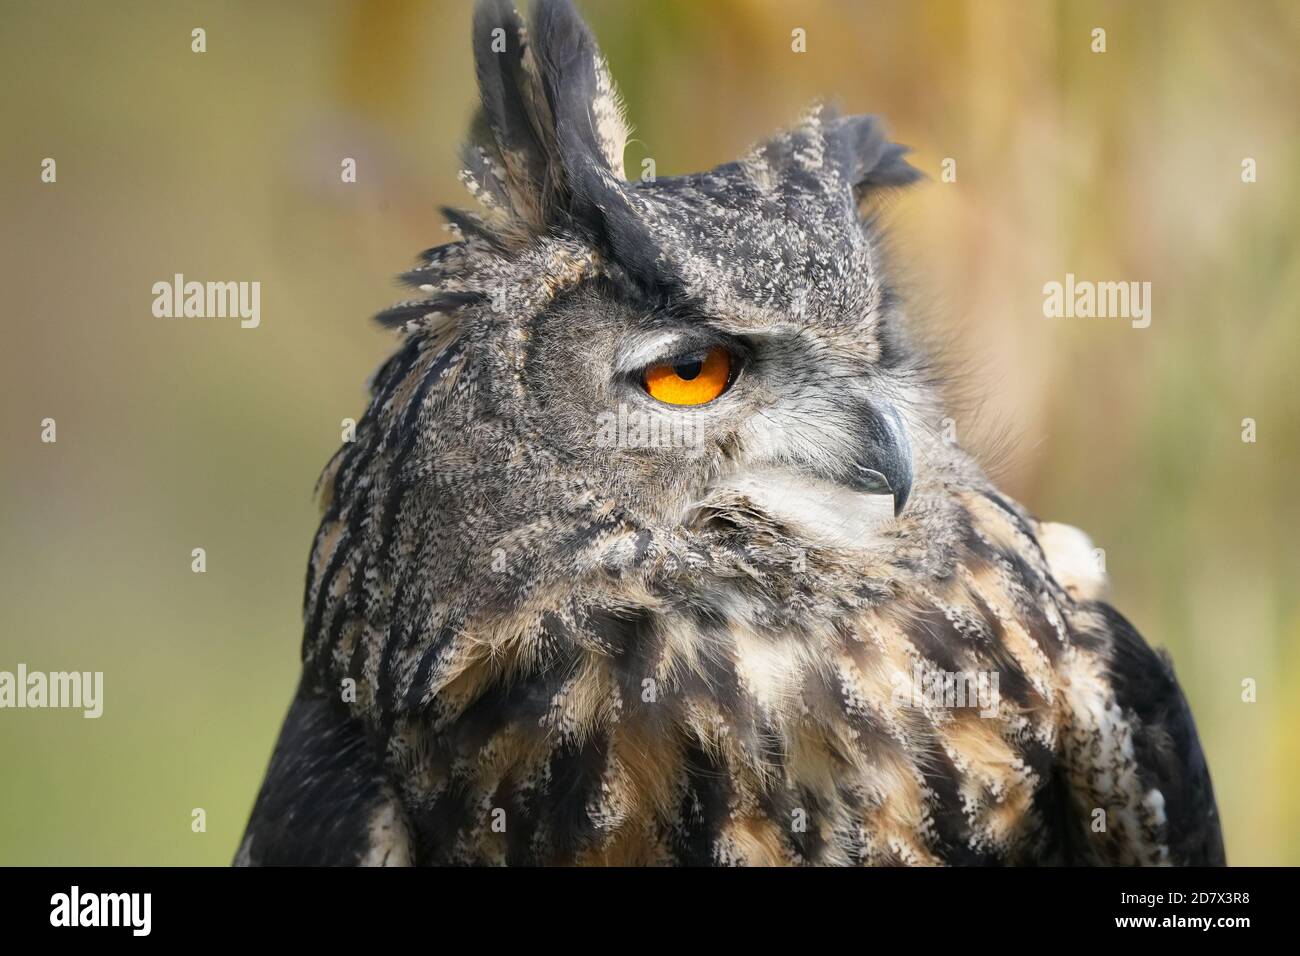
{"type": "Point", "coordinates": [883, 464]}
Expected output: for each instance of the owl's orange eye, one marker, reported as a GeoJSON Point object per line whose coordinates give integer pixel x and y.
{"type": "Point", "coordinates": [693, 381]}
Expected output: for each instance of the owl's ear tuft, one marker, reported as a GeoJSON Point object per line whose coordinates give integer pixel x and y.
{"type": "Point", "coordinates": [590, 127]}
{"type": "Point", "coordinates": [868, 159]}
{"type": "Point", "coordinates": [508, 157]}
{"type": "Point", "coordinates": [837, 153]}
{"type": "Point", "coordinates": [550, 134]}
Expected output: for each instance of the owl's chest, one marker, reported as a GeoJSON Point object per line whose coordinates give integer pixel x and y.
{"type": "Point", "coordinates": [714, 744]}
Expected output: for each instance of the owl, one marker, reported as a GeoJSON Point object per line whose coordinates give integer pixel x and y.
{"type": "Point", "coordinates": [651, 548]}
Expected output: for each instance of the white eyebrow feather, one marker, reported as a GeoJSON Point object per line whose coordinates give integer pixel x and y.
{"type": "Point", "coordinates": [656, 347]}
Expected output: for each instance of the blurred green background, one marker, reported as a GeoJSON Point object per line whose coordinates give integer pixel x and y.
{"type": "Point", "coordinates": [225, 165]}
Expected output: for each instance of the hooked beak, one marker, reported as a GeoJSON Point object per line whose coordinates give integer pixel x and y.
{"type": "Point", "coordinates": [883, 463]}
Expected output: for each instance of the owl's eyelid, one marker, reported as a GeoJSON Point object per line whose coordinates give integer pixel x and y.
{"type": "Point", "coordinates": [674, 348]}
{"type": "Point", "coordinates": [686, 358]}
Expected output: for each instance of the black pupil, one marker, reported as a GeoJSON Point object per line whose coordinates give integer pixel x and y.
{"type": "Point", "coordinates": [688, 370]}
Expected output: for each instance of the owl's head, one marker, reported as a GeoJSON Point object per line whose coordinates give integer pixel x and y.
{"type": "Point", "coordinates": [656, 351]}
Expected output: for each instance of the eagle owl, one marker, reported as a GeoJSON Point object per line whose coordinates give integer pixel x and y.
{"type": "Point", "coordinates": [650, 548]}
